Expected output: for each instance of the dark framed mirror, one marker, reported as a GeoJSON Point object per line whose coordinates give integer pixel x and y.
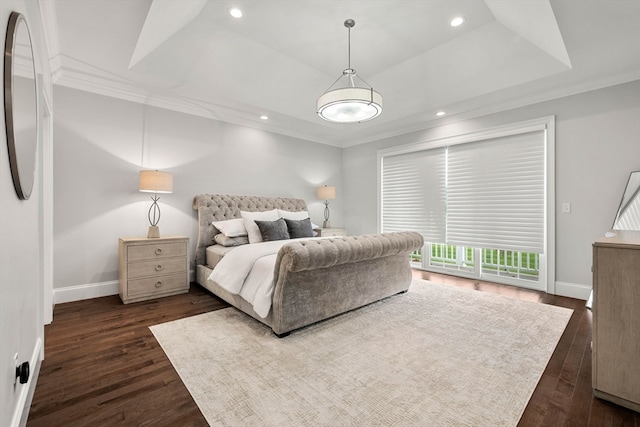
{"type": "Point", "coordinates": [628, 216]}
{"type": "Point", "coordinates": [20, 105]}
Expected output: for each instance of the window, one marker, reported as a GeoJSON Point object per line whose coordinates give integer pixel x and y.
{"type": "Point", "coordinates": [408, 203]}
{"type": "Point", "coordinates": [482, 201]}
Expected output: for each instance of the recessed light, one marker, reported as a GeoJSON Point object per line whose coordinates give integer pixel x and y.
{"type": "Point", "coordinates": [264, 117]}
{"type": "Point", "coordinates": [457, 21]}
{"type": "Point", "coordinates": [235, 12]}
{"type": "Point", "coordinates": [440, 113]}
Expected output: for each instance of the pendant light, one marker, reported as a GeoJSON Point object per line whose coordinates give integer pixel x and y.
{"type": "Point", "coordinates": [350, 104]}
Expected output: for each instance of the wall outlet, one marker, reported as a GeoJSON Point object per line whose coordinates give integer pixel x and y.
{"type": "Point", "coordinates": [566, 208]}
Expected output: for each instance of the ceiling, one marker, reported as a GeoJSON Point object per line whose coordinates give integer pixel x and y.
{"type": "Point", "coordinates": [192, 56]}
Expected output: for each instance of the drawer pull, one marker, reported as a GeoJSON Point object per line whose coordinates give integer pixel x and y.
{"type": "Point", "coordinates": [158, 284]}
{"type": "Point", "coordinates": [159, 267]}
{"type": "Point", "coordinates": [158, 251]}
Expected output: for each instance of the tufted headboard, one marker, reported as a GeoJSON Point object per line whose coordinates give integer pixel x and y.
{"type": "Point", "coordinates": [218, 207]}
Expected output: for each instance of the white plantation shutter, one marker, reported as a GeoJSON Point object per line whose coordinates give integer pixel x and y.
{"type": "Point", "coordinates": [413, 193]}
{"type": "Point", "coordinates": [496, 193]}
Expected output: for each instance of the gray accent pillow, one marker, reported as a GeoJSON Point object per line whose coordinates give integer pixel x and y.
{"type": "Point", "coordinates": [273, 230]}
{"type": "Point", "coordinates": [299, 228]}
{"type": "Point", "coordinates": [227, 241]}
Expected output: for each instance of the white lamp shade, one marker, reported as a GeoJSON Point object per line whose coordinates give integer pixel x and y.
{"type": "Point", "coordinates": [153, 181]}
{"type": "Point", "coordinates": [350, 105]}
{"type": "Point", "coordinates": [326, 193]}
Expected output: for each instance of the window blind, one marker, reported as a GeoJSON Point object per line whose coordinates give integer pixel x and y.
{"type": "Point", "coordinates": [413, 193]}
{"type": "Point", "coordinates": [496, 193]}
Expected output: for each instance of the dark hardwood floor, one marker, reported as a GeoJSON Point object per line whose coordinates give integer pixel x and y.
{"type": "Point", "coordinates": [103, 367]}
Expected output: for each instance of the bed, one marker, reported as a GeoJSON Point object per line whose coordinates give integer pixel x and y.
{"type": "Point", "coordinates": [313, 278]}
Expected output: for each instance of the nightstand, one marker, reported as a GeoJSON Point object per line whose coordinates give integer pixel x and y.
{"type": "Point", "coordinates": [324, 232]}
{"type": "Point", "coordinates": [153, 268]}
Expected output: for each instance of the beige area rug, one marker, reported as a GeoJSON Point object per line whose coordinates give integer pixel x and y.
{"type": "Point", "coordinates": [435, 356]}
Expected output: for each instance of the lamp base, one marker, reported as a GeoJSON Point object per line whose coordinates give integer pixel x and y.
{"type": "Point", "coordinates": [154, 232]}
{"type": "Point", "coordinates": [326, 224]}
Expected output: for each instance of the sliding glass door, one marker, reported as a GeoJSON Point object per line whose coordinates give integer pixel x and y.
{"type": "Point", "coordinates": [483, 202]}
{"type": "Point", "coordinates": [518, 268]}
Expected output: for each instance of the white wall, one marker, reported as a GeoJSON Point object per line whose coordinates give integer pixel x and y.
{"type": "Point", "coordinates": [22, 238]}
{"type": "Point", "coordinates": [102, 143]}
{"type": "Point", "coordinates": [597, 146]}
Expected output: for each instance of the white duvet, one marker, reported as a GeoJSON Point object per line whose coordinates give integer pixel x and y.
{"type": "Point", "coordinates": [248, 271]}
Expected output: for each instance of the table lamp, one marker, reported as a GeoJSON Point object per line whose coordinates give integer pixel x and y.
{"type": "Point", "coordinates": [326, 193]}
{"type": "Point", "coordinates": [154, 181]}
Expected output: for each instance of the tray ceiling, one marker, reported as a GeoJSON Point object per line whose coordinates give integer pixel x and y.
{"type": "Point", "coordinates": [276, 60]}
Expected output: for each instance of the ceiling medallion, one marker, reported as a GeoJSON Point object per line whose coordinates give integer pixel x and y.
{"type": "Point", "coordinates": [350, 104]}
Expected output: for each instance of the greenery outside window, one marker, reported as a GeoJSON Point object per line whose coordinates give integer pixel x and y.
{"type": "Point", "coordinates": [493, 262]}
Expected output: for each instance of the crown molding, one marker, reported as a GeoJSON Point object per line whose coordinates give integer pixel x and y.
{"type": "Point", "coordinates": [536, 98]}
{"type": "Point", "coordinates": [50, 24]}
{"type": "Point", "coordinates": [129, 91]}
{"type": "Point", "coordinates": [132, 92]}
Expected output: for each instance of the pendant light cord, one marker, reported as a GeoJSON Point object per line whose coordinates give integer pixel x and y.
{"type": "Point", "coordinates": [349, 49]}
{"type": "Point", "coordinates": [349, 72]}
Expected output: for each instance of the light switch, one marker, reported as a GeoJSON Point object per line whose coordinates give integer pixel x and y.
{"type": "Point", "coordinates": [566, 208]}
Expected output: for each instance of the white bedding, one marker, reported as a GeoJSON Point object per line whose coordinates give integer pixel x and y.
{"type": "Point", "coordinates": [248, 271]}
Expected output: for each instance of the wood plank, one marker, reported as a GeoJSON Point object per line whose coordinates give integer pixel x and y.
{"type": "Point", "coordinates": [583, 394]}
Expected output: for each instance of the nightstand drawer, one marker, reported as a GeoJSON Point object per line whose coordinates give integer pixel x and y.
{"type": "Point", "coordinates": [333, 232]}
{"type": "Point", "coordinates": [155, 267]}
{"type": "Point", "coordinates": [156, 250]}
{"type": "Point", "coordinates": [156, 285]}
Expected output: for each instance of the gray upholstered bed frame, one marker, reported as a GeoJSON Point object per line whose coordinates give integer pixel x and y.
{"type": "Point", "coordinates": [314, 280]}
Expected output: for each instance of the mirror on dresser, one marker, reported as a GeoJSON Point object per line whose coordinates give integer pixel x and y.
{"type": "Point", "coordinates": [628, 216]}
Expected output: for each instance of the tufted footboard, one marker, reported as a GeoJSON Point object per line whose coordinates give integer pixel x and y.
{"type": "Point", "coordinates": [319, 279]}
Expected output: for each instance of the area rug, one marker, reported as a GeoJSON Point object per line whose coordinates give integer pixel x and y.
{"type": "Point", "coordinates": [434, 356]}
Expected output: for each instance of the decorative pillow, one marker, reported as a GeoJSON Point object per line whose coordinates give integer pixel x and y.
{"type": "Point", "coordinates": [231, 227]}
{"type": "Point", "coordinates": [273, 230]}
{"type": "Point", "coordinates": [293, 215]}
{"type": "Point", "coordinates": [227, 241]}
{"type": "Point", "coordinates": [299, 228]}
{"type": "Point", "coordinates": [249, 223]}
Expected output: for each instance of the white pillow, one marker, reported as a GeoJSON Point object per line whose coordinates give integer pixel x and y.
{"type": "Point", "coordinates": [293, 215]}
{"type": "Point", "coordinates": [250, 223]}
{"type": "Point", "coordinates": [231, 227]}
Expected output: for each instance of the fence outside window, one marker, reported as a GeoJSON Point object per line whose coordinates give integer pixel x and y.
{"type": "Point", "coordinates": [496, 262]}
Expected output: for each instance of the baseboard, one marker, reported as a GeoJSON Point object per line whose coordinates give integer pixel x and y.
{"type": "Point", "coordinates": [90, 290]}
{"type": "Point", "coordinates": [573, 290]}
{"type": "Point", "coordinates": [26, 393]}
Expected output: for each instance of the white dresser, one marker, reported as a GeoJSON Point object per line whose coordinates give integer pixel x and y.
{"type": "Point", "coordinates": [153, 268]}
{"type": "Point", "coordinates": [616, 318]}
